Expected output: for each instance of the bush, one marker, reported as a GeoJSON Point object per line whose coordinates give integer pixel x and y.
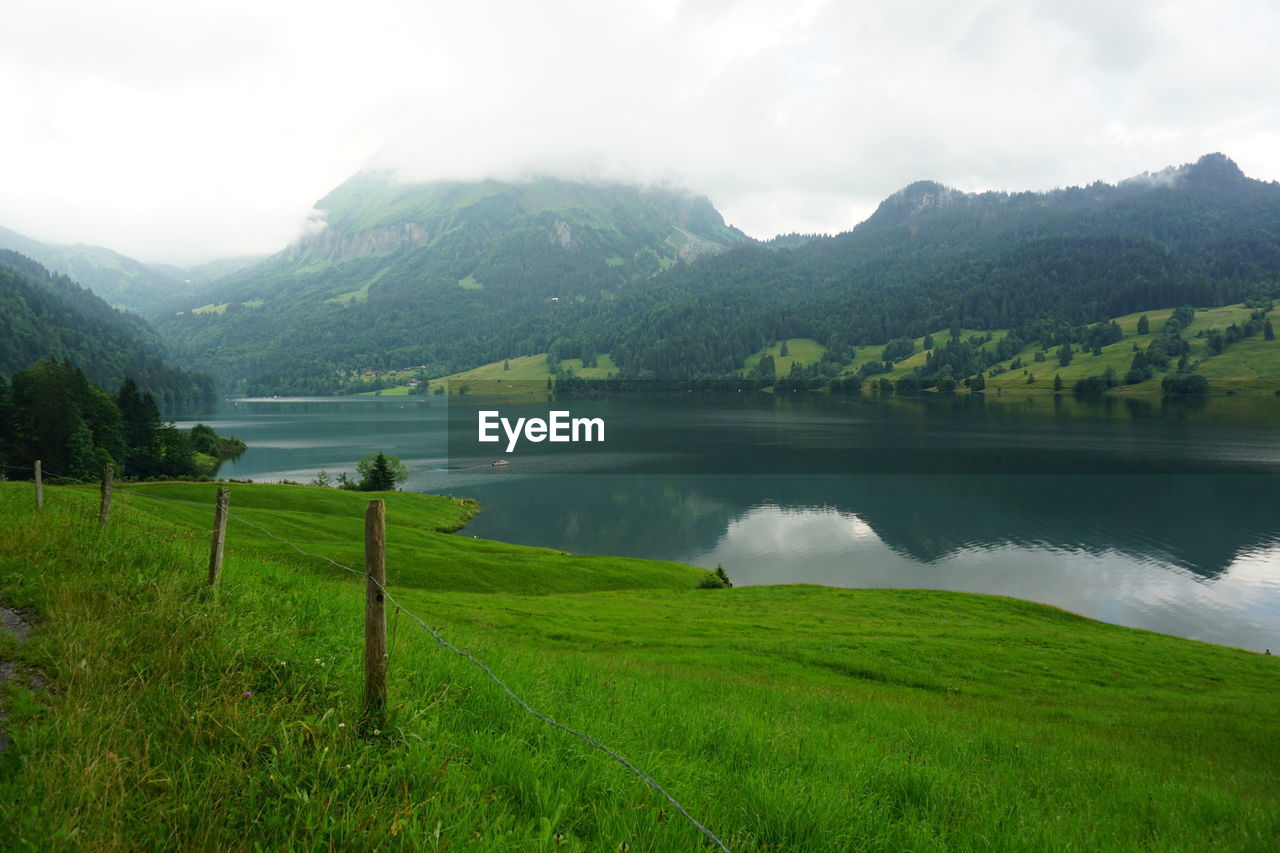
{"type": "Point", "coordinates": [719, 579]}
{"type": "Point", "coordinates": [1185, 383]}
{"type": "Point", "coordinates": [723, 575]}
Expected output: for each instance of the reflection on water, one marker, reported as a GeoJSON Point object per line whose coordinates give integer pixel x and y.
{"type": "Point", "coordinates": [1239, 607]}
{"type": "Point", "coordinates": [1196, 555]}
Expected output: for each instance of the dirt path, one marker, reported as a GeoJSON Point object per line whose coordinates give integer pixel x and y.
{"type": "Point", "coordinates": [16, 624]}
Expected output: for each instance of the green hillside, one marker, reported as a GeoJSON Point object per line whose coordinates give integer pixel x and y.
{"type": "Point", "coordinates": [800, 350]}
{"type": "Point", "coordinates": [528, 368]}
{"type": "Point", "coordinates": [784, 718]}
{"type": "Point", "coordinates": [1250, 365]}
{"type": "Point", "coordinates": [44, 315]}
{"type": "Point", "coordinates": [119, 280]}
{"type": "Point", "coordinates": [446, 275]}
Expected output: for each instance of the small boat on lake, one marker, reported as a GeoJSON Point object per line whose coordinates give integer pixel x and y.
{"type": "Point", "coordinates": [499, 462]}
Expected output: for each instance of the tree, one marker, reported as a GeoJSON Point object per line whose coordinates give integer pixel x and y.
{"type": "Point", "coordinates": [51, 405]}
{"type": "Point", "coordinates": [1057, 383]}
{"type": "Point", "coordinates": [928, 341]}
{"type": "Point", "coordinates": [506, 364]}
{"type": "Point", "coordinates": [205, 441]}
{"type": "Point", "coordinates": [80, 455]}
{"type": "Point", "coordinates": [1090, 386]}
{"type": "Point", "coordinates": [141, 425]}
{"type": "Point", "coordinates": [898, 349]}
{"type": "Point", "coordinates": [1185, 383]}
{"type": "Point", "coordinates": [1268, 333]}
{"type": "Point", "coordinates": [1064, 355]}
{"type": "Point", "coordinates": [6, 421]}
{"type": "Point", "coordinates": [784, 352]}
{"type": "Point", "coordinates": [1144, 325]}
{"type": "Point", "coordinates": [381, 472]}
{"type": "Point", "coordinates": [177, 458]}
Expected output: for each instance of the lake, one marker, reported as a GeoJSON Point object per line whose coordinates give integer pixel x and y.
{"type": "Point", "coordinates": [1150, 514]}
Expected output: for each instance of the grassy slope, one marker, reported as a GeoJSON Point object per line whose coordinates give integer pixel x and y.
{"type": "Point", "coordinates": [1244, 364]}
{"type": "Point", "coordinates": [525, 368]}
{"type": "Point", "coordinates": [802, 350]}
{"type": "Point", "coordinates": [1251, 364]}
{"type": "Point", "coordinates": [786, 718]}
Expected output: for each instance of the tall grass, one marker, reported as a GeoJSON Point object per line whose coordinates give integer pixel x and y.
{"type": "Point", "coordinates": [785, 718]}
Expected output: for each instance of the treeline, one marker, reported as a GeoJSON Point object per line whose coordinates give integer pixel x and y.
{"type": "Point", "coordinates": [44, 314]}
{"type": "Point", "coordinates": [51, 412]}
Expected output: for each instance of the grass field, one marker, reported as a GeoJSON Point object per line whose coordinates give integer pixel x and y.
{"type": "Point", "coordinates": [1250, 365]}
{"type": "Point", "coordinates": [527, 368]}
{"type": "Point", "coordinates": [785, 718]}
{"type": "Point", "coordinates": [802, 350]}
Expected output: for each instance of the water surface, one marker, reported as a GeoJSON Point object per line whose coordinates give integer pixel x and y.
{"type": "Point", "coordinates": [1146, 514]}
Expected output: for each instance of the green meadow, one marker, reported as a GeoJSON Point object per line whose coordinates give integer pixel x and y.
{"type": "Point", "coordinates": [790, 718]}
{"type": "Point", "coordinates": [525, 368]}
{"type": "Point", "coordinates": [802, 350]}
{"type": "Point", "coordinates": [1249, 365]}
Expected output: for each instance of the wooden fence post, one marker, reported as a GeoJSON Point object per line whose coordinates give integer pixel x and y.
{"type": "Point", "coordinates": [375, 615]}
{"type": "Point", "coordinates": [39, 486]}
{"type": "Point", "coordinates": [104, 505]}
{"type": "Point", "coordinates": [219, 535]}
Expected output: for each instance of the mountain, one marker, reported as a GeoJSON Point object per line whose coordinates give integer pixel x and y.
{"type": "Point", "coordinates": [43, 315]}
{"type": "Point", "coordinates": [933, 257]}
{"type": "Point", "coordinates": [447, 275]}
{"type": "Point", "coordinates": [122, 281]}
{"type": "Point", "coordinates": [443, 277]}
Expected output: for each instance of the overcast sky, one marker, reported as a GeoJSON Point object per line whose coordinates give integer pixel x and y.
{"type": "Point", "coordinates": [182, 131]}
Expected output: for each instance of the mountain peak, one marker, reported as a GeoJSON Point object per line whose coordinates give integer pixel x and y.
{"type": "Point", "coordinates": [916, 197]}
{"type": "Point", "coordinates": [1214, 169]}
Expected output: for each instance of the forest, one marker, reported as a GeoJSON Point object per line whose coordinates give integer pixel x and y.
{"type": "Point", "coordinates": [51, 412]}
{"type": "Point", "coordinates": [44, 315]}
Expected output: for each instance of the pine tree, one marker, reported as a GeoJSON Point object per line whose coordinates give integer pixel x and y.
{"type": "Point", "coordinates": [784, 352]}
{"type": "Point", "coordinates": [80, 454]}
{"type": "Point", "coordinates": [1268, 333]}
{"type": "Point", "coordinates": [1064, 355]}
{"type": "Point", "coordinates": [1144, 325]}
{"type": "Point", "coordinates": [379, 479]}
{"type": "Point", "coordinates": [141, 426]}
{"type": "Point", "coordinates": [723, 575]}
{"type": "Point", "coordinates": [1057, 383]}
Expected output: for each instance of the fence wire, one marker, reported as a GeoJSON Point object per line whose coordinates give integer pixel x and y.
{"type": "Point", "coordinates": [445, 644]}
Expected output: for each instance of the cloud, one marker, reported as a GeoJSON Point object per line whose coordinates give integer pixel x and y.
{"type": "Point", "coordinates": [183, 131]}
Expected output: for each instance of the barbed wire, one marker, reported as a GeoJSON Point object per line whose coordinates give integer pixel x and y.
{"type": "Point", "coordinates": [445, 644]}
